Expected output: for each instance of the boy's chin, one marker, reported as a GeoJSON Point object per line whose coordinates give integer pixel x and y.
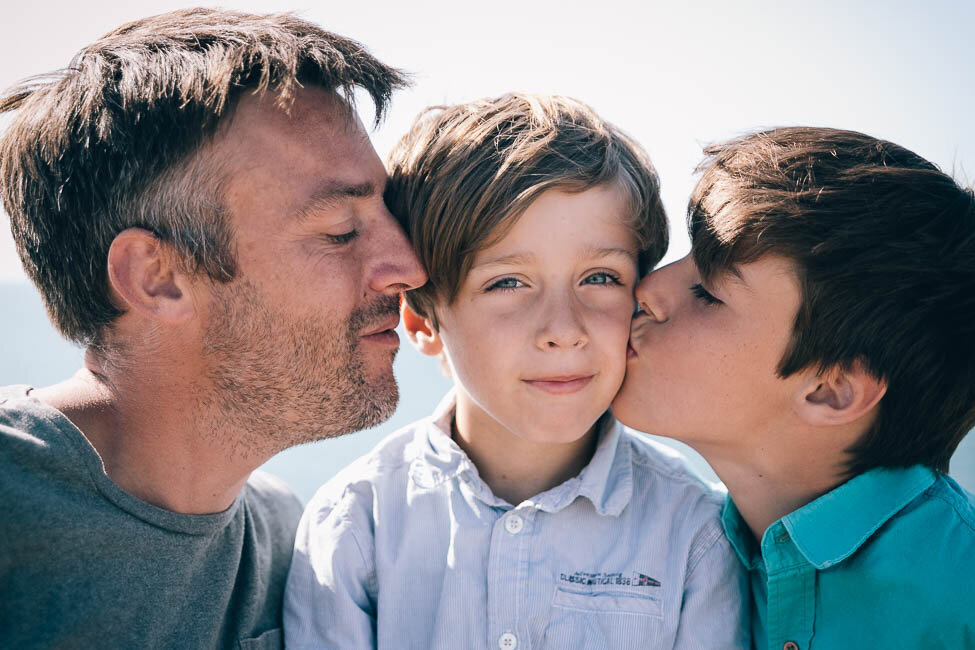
{"type": "Point", "coordinates": [556, 432]}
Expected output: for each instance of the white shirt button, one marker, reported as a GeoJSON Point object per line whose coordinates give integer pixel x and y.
{"type": "Point", "coordinates": [508, 641]}
{"type": "Point", "coordinates": [513, 524]}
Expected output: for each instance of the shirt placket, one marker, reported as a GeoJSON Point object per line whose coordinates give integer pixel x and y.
{"type": "Point", "coordinates": [791, 592]}
{"type": "Point", "coordinates": [508, 579]}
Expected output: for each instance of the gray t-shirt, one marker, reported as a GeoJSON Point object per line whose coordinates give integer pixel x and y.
{"type": "Point", "coordinates": [84, 564]}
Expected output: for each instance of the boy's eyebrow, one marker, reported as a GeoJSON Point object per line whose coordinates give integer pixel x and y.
{"type": "Point", "coordinates": [328, 194]}
{"type": "Point", "coordinates": [595, 251]}
{"type": "Point", "coordinates": [731, 274]}
{"type": "Point", "coordinates": [507, 260]}
{"type": "Point", "coordinates": [590, 252]}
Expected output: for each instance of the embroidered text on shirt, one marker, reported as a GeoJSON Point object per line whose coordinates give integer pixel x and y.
{"type": "Point", "coordinates": [616, 578]}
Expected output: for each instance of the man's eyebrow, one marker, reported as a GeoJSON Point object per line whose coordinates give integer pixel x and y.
{"type": "Point", "coordinates": [330, 194]}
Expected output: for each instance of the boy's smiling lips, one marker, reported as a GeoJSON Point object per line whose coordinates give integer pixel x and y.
{"type": "Point", "coordinates": [560, 384]}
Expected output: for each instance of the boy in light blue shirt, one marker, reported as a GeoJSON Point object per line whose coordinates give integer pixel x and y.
{"type": "Point", "coordinates": [520, 514]}
{"type": "Point", "coordinates": [817, 347]}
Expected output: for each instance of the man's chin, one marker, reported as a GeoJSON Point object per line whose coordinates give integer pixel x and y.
{"type": "Point", "coordinates": [379, 406]}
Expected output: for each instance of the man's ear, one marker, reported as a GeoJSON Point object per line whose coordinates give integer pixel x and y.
{"type": "Point", "coordinates": [420, 330]}
{"type": "Point", "coordinates": [840, 395]}
{"type": "Point", "coordinates": [144, 276]}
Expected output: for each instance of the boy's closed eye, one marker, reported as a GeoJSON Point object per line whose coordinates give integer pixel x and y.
{"type": "Point", "coordinates": [704, 295]}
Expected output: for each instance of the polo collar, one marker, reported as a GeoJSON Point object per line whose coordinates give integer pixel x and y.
{"type": "Point", "coordinates": [607, 481]}
{"type": "Point", "coordinates": [834, 526]}
{"type": "Point", "coordinates": [831, 528]}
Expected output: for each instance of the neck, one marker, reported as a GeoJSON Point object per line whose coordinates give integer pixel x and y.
{"type": "Point", "coordinates": [766, 486]}
{"type": "Point", "coordinates": [514, 468]}
{"type": "Point", "coordinates": [153, 435]}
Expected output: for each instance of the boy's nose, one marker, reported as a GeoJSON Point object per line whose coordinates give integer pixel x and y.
{"type": "Point", "coordinates": [562, 325]}
{"type": "Point", "coordinates": [653, 295]}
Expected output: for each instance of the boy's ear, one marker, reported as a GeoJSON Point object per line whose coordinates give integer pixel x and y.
{"type": "Point", "coordinates": [144, 276]}
{"type": "Point", "coordinates": [420, 330]}
{"type": "Point", "coordinates": [840, 396]}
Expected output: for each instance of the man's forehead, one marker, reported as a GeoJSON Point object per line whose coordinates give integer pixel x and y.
{"type": "Point", "coordinates": [310, 111]}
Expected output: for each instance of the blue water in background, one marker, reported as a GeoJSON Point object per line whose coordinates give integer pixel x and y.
{"type": "Point", "coordinates": [33, 353]}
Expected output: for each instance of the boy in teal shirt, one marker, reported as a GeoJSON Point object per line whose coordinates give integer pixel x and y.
{"type": "Point", "coordinates": [817, 347]}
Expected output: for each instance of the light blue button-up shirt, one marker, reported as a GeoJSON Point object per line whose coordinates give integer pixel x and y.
{"type": "Point", "coordinates": [886, 560]}
{"type": "Point", "coordinates": [409, 548]}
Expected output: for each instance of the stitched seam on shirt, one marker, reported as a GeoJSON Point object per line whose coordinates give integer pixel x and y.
{"type": "Point", "coordinates": [703, 549]}
{"type": "Point", "coordinates": [938, 493]}
{"type": "Point", "coordinates": [373, 580]}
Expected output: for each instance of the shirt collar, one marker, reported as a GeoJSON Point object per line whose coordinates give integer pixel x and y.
{"type": "Point", "coordinates": [607, 481]}
{"type": "Point", "coordinates": [831, 528]}
{"type": "Point", "coordinates": [835, 525]}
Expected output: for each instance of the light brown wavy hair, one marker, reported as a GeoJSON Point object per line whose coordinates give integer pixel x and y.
{"type": "Point", "coordinates": [464, 174]}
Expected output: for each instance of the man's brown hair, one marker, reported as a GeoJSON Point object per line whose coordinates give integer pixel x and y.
{"type": "Point", "coordinates": [464, 174]}
{"type": "Point", "coordinates": [108, 143]}
{"type": "Point", "coordinates": [883, 243]}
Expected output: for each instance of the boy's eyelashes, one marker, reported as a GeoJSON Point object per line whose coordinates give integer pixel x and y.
{"type": "Point", "coordinates": [702, 294]}
{"type": "Point", "coordinates": [505, 284]}
{"type": "Point", "coordinates": [603, 277]}
{"type": "Point", "coordinates": [598, 278]}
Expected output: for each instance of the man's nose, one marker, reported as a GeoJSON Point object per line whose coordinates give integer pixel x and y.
{"type": "Point", "coordinates": [395, 267]}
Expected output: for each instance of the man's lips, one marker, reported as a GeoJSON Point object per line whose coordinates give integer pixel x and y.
{"type": "Point", "coordinates": [560, 385]}
{"type": "Point", "coordinates": [383, 332]}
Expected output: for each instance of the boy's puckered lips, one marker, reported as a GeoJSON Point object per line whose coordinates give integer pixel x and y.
{"type": "Point", "coordinates": [640, 322]}
{"type": "Point", "coordinates": [560, 384]}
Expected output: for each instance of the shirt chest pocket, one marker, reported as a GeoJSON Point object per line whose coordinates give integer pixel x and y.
{"type": "Point", "coordinates": [603, 619]}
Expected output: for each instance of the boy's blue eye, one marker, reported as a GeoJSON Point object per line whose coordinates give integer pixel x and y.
{"type": "Point", "coordinates": [506, 284]}
{"type": "Point", "coordinates": [602, 277]}
{"type": "Point", "coordinates": [702, 294]}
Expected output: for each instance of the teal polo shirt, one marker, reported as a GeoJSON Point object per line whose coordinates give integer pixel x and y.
{"type": "Point", "coordinates": [886, 560]}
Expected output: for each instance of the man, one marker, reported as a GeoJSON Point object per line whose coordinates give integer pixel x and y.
{"type": "Point", "coordinates": [201, 209]}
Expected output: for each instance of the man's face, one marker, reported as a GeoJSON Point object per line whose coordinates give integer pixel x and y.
{"type": "Point", "coordinates": [300, 344]}
{"type": "Point", "coordinates": [703, 359]}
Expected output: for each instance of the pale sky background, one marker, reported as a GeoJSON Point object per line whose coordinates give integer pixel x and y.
{"type": "Point", "coordinates": [674, 75]}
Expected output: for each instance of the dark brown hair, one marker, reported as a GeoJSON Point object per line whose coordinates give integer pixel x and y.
{"type": "Point", "coordinates": [108, 143]}
{"type": "Point", "coordinates": [884, 247]}
{"type": "Point", "coordinates": [464, 174]}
